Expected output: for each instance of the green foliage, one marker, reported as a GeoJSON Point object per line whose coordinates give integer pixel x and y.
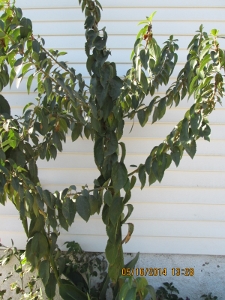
{"type": "Point", "coordinates": [66, 105]}
{"type": "Point", "coordinates": [27, 285]}
{"type": "Point", "coordinates": [169, 292]}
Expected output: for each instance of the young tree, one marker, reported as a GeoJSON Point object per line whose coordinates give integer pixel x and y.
{"type": "Point", "coordinates": [67, 105]}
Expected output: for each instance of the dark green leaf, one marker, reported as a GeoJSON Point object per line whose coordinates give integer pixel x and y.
{"type": "Point", "coordinates": [18, 156]}
{"type": "Point", "coordinates": [51, 286]}
{"type": "Point", "coordinates": [26, 27]}
{"type": "Point", "coordinates": [111, 251]}
{"type": "Point", "coordinates": [152, 177]}
{"type": "Point", "coordinates": [39, 245]}
{"type": "Point", "coordinates": [191, 148]}
{"type": "Point", "coordinates": [99, 152]}
{"type": "Point", "coordinates": [119, 176]}
{"type": "Point", "coordinates": [62, 220]}
{"type": "Point", "coordinates": [44, 271]}
{"type": "Point", "coordinates": [77, 130]}
{"type": "Point", "coordinates": [36, 46]}
{"type": "Point", "coordinates": [142, 175]}
{"type": "Point", "coordinates": [144, 82]}
{"type": "Point", "coordinates": [68, 210]}
{"type": "Point", "coordinates": [148, 163]}
{"type": "Point", "coordinates": [29, 82]}
{"type": "Point", "coordinates": [195, 121]}
{"type": "Point", "coordinates": [57, 141]}
{"type": "Point", "coordinates": [184, 134]}
{"type": "Point", "coordinates": [115, 86]}
{"type": "Point", "coordinates": [130, 210]}
{"type": "Point", "coordinates": [162, 108]}
{"type": "Point", "coordinates": [100, 42]}
{"type": "Point", "coordinates": [116, 210]}
{"type": "Point", "coordinates": [155, 115]}
{"type": "Point", "coordinates": [94, 204]}
{"type": "Point", "coordinates": [108, 199]}
{"type": "Point", "coordinates": [71, 292]}
{"type": "Point", "coordinates": [83, 207]}
{"type": "Point", "coordinates": [123, 148]}
{"type": "Point", "coordinates": [111, 143]}
{"type": "Point", "coordinates": [15, 183]}
{"type": "Point", "coordinates": [133, 181]}
{"type": "Point", "coordinates": [176, 156]}
{"type": "Point", "coordinates": [4, 106]}
{"type": "Point", "coordinates": [144, 57]}
{"type": "Point", "coordinates": [48, 86]}
{"type": "Point", "coordinates": [89, 22]}
{"type": "Point", "coordinates": [141, 117]}
{"type": "Point", "coordinates": [193, 85]}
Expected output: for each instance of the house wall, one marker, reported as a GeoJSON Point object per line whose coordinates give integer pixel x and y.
{"type": "Point", "coordinates": [184, 215]}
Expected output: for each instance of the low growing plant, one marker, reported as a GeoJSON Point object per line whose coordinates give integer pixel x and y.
{"type": "Point", "coordinates": [27, 284]}
{"type": "Point", "coordinates": [66, 104]}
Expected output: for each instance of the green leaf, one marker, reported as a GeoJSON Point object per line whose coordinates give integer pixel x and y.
{"type": "Point", "coordinates": [36, 46]}
{"type": "Point", "coordinates": [48, 86]}
{"type": "Point", "coordinates": [162, 108]}
{"type": "Point", "coordinates": [68, 210]}
{"type": "Point", "coordinates": [115, 86]}
{"type": "Point", "coordinates": [144, 57]}
{"type": "Point", "coordinates": [18, 156]}
{"type": "Point", "coordinates": [94, 204]}
{"type": "Point", "coordinates": [62, 220]}
{"type": "Point", "coordinates": [205, 60]}
{"type": "Point", "coordinates": [141, 283]}
{"type": "Point", "coordinates": [99, 151]}
{"type": "Point", "coordinates": [193, 85]}
{"type": "Point", "coordinates": [176, 156]}
{"type": "Point", "coordinates": [133, 181]}
{"type": "Point", "coordinates": [108, 199]}
{"type": "Point", "coordinates": [131, 294]}
{"type": "Point", "coordinates": [111, 251]}
{"type": "Point", "coordinates": [89, 22]}
{"type": "Point", "coordinates": [142, 175]}
{"type": "Point", "coordinates": [111, 144]}
{"type": "Point", "coordinates": [148, 163]}
{"type": "Point", "coordinates": [39, 245]}
{"type": "Point", "coordinates": [26, 27]}
{"type": "Point", "coordinates": [115, 210]}
{"type": "Point", "coordinates": [47, 198]}
{"type": "Point", "coordinates": [71, 292]}
{"type": "Point", "coordinates": [130, 210]}
{"type": "Point", "coordinates": [29, 82]}
{"type": "Point", "coordinates": [143, 116]}
{"type": "Point", "coordinates": [100, 42]}
{"type": "Point", "coordinates": [214, 32]}
{"type": "Point", "coordinates": [51, 286]}
{"type": "Point", "coordinates": [119, 175]}
{"type": "Point", "coordinates": [196, 120]}
{"type": "Point", "coordinates": [4, 106]}
{"type": "Point", "coordinates": [131, 264]}
{"type": "Point", "coordinates": [15, 183]}
{"type": "Point", "coordinates": [184, 133]}
{"type": "Point", "coordinates": [155, 115]}
{"type": "Point", "coordinates": [83, 207]}
{"type": "Point", "coordinates": [152, 177]}
{"type": "Point", "coordinates": [77, 130]}
{"type": "Point", "coordinates": [191, 148]}
{"type": "Point", "coordinates": [152, 292]}
{"type": "Point", "coordinates": [144, 82]}
{"type": "Point", "coordinates": [44, 271]}
{"type": "Point", "coordinates": [150, 18]}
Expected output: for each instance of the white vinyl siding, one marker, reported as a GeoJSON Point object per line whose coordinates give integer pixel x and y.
{"type": "Point", "coordinates": [185, 213]}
